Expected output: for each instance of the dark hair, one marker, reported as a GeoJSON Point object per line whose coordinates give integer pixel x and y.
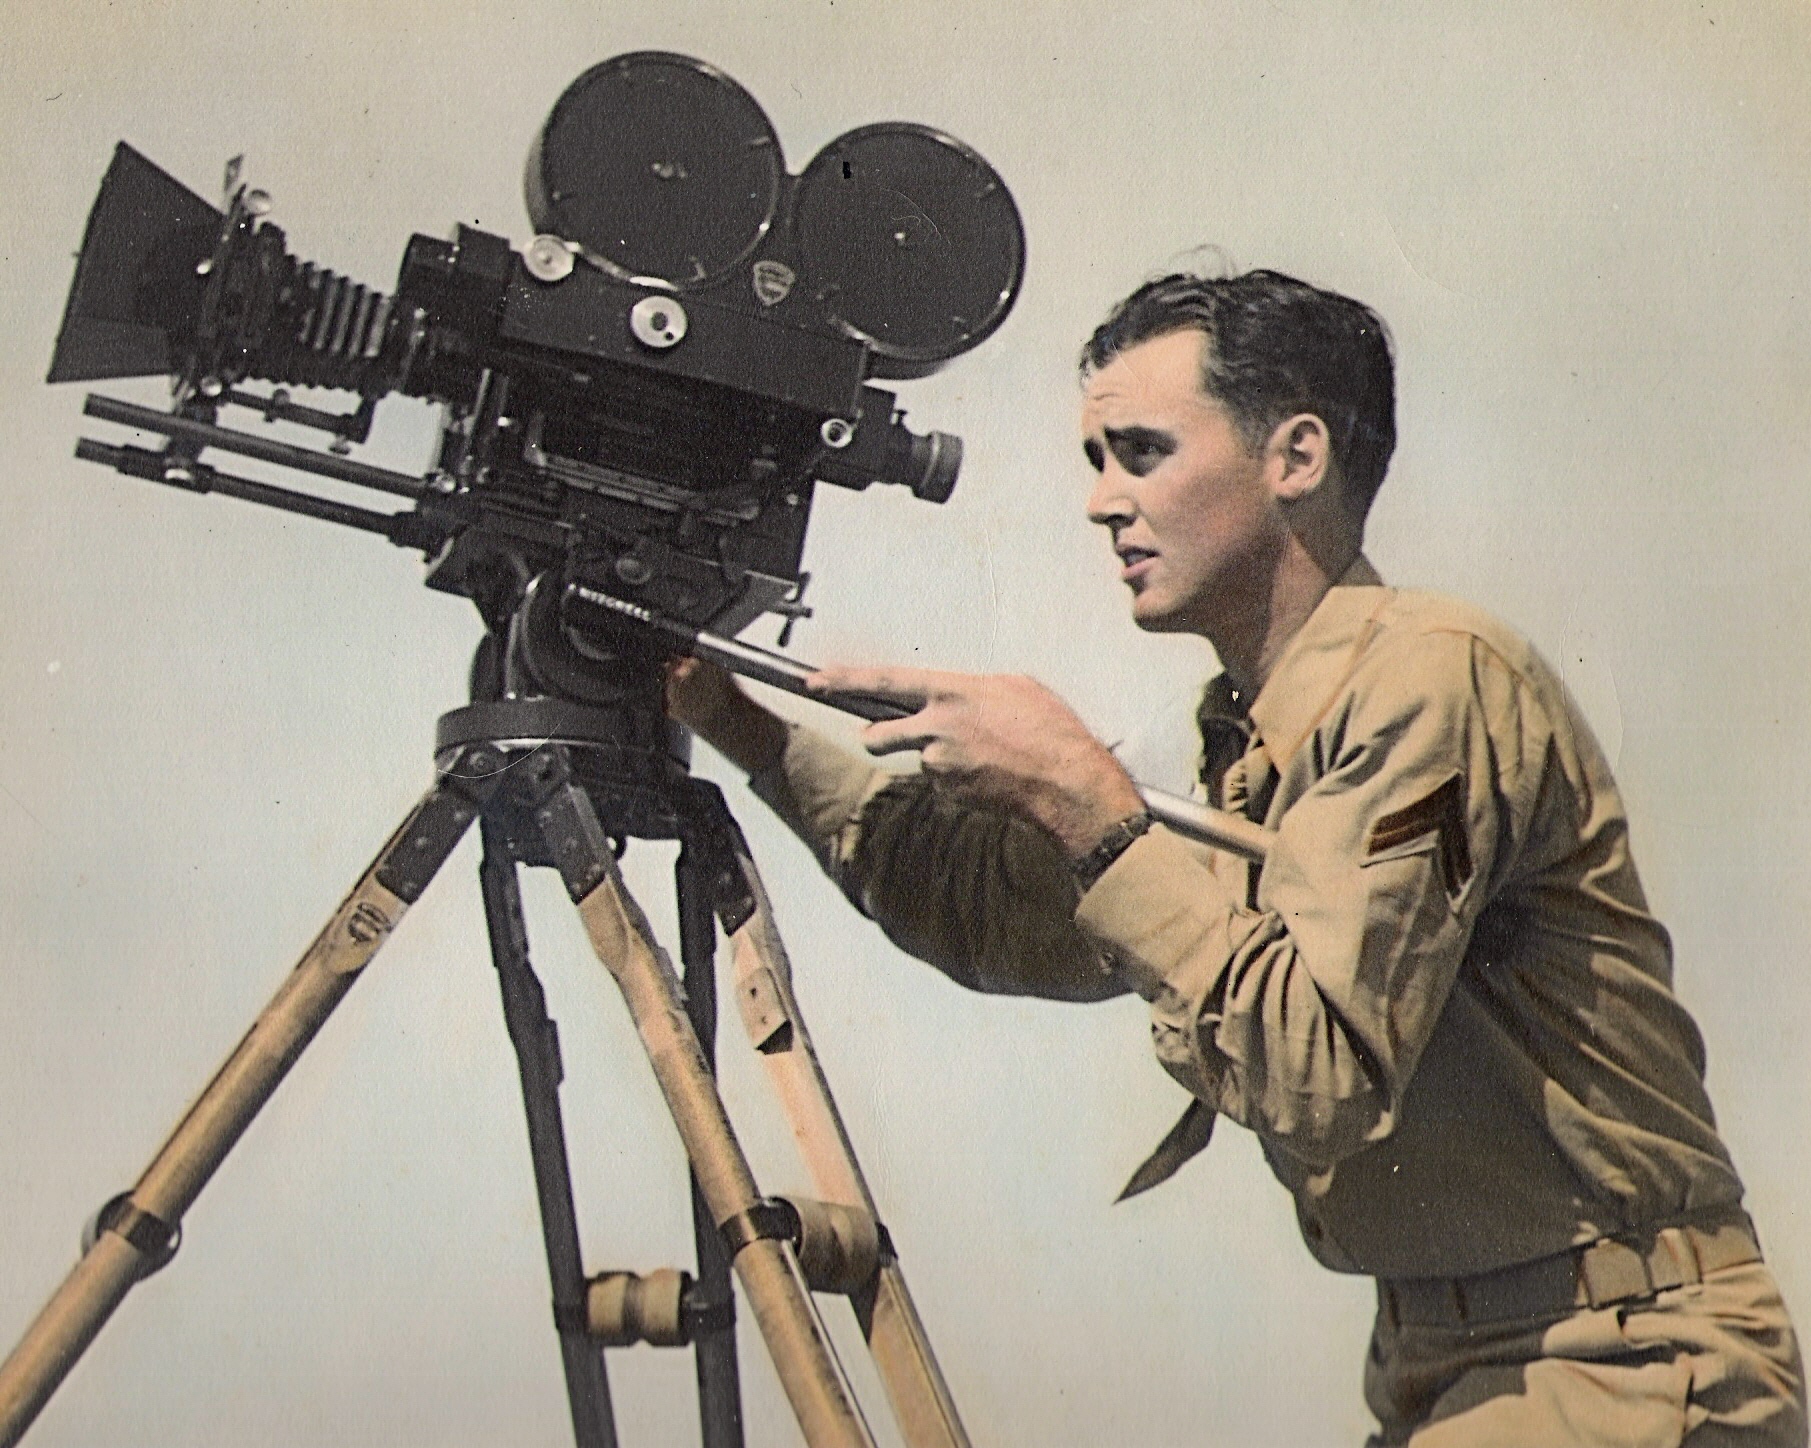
{"type": "Point", "coordinates": [1275, 347]}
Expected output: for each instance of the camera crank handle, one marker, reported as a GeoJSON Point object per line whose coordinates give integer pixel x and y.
{"type": "Point", "coordinates": [1224, 831]}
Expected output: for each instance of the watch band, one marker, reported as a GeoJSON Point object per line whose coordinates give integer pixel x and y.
{"type": "Point", "coordinates": [1117, 840]}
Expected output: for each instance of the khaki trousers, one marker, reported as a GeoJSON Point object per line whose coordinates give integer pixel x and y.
{"type": "Point", "coordinates": [1711, 1364]}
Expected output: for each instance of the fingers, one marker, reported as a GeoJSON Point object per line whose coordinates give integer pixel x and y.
{"type": "Point", "coordinates": [910, 687]}
{"type": "Point", "coordinates": [926, 693]}
{"type": "Point", "coordinates": [683, 668]}
{"type": "Point", "coordinates": [690, 677]}
{"type": "Point", "coordinates": [897, 736]}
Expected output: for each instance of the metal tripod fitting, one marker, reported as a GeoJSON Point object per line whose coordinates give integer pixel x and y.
{"type": "Point", "coordinates": [155, 1239]}
{"type": "Point", "coordinates": [839, 1248]}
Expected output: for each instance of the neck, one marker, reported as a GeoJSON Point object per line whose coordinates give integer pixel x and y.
{"type": "Point", "coordinates": [1250, 641]}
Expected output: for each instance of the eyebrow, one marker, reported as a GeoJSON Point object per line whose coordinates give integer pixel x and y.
{"type": "Point", "coordinates": [1139, 439]}
{"type": "Point", "coordinates": [1154, 439]}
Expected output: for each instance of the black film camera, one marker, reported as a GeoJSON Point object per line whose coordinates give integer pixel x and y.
{"type": "Point", "coordinates": [637, 403]}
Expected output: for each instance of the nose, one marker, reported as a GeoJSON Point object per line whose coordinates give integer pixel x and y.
{"type": "Point", "coordinates": [1109, 503]}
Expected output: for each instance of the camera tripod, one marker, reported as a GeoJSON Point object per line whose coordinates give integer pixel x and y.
{"type": "Point", "coordinates": [566, 784]}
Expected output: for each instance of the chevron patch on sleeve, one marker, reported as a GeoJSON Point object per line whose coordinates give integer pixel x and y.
{"type": "Point", "coordinates": [1441, 813]}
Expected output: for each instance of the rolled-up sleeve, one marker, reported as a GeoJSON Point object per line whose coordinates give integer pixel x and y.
{"type": "Point", "coordinates": [1305, 1015]}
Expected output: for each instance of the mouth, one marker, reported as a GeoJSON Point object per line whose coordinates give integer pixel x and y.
{"type": "Point", "coordinates": [1134, 563]}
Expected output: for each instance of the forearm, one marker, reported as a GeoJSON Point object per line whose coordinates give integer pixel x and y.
{"type": "Point", "coordinates": [819, 789]}
{"type": "Point", "coordinates": [984, 896]}
{"type": "Point", "coordinates": [745, 732]}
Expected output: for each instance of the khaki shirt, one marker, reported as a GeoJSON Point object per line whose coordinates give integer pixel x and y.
{"type": "Point", "coordinates": [1442, 1003]}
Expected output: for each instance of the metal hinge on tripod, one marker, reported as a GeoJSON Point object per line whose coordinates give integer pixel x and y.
{"type": "Point", "coordinates": [428, 836]}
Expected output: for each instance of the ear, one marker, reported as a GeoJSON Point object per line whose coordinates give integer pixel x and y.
{"type": "Point", "coordinates": [1299, 457]}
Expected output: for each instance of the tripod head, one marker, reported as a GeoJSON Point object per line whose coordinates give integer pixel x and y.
{"type": "Point", "coordinates": [534, 682]}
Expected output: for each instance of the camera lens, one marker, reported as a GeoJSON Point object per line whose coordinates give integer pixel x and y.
{"type": "Point", "coordinates": [913, 241]}
{"type": "Point", "coordinates": [659, 166]}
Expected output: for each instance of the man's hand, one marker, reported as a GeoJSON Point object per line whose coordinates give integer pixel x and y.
{"type": "Point", "coordinates": [1001, 738]}
{"type": "Point", "coordinates": [708, 701]}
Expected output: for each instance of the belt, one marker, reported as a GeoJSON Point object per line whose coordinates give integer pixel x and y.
{"type": "Point", "coordinates": [1603, 1273]}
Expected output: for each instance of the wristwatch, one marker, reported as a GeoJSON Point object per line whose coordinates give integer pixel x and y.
{"type": "Point", "coordinates": [1117, 840]}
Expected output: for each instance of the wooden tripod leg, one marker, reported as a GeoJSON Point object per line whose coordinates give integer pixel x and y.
{"type": "Point", "coordinates": [764, 1260]}
{"type": "Point", "coordinates": [896, 1337]}
{"type": "Point", "coordinates": [138, 1232]}
{"type": "Point", "coordinates": [718, 1372]}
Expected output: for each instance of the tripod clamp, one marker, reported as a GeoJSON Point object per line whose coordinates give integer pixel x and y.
{"type": "Point", "coordinates": [839, 1247]}
{"type": "Point", "coordinates": [154, 1239]}
{"type": "Point", "coordinates": [664, 1308]}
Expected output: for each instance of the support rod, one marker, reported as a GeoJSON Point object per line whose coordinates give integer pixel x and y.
{"type": "Point", "coordinates": [201, 478]}
{"type": "Point", "coordinates": [714, 1353]}
{"type": "Point", "coordinates": [206, 434]}
{"type": "Point", "coordinates": [537, 1046]}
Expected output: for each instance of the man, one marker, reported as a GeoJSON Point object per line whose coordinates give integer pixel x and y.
{"type": "Point", "coordinates": [1441, 1003]}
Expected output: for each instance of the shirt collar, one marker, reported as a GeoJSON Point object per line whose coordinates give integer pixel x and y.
{"type": "Point", "coordinates": [1315, 664]}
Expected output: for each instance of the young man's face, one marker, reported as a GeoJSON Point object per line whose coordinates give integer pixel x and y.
{"type": "Point", "coordinates": [1195, 522]}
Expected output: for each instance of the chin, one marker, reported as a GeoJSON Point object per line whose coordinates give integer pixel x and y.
{"type": "Point", "coordinates": [1153, 618]}
{"type": "Point", "coordinates": [1154, 612]}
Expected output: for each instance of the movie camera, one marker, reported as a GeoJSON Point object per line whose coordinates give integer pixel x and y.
{"type": "Point", "coordinates": [637, 403]}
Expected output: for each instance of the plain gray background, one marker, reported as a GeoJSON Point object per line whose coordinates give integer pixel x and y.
{"type": "Point", "coordinates": [1587, 226]}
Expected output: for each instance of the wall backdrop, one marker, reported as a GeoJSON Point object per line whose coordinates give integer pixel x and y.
{"type": "Point", "coordinates": [1587, 225]}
